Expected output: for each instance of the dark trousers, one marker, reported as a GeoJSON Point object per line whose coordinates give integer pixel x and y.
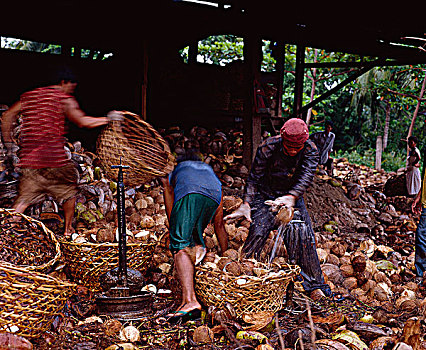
{"type": "Point", "coordinates": [300, 241]}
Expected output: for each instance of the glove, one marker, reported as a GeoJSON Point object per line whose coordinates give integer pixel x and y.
{"type": "Point", "coordinates": [288, 200]}
{"type": "Point", "coordinates": [243, 211]}
{"type": "Point", "coordinates": [114, 116]}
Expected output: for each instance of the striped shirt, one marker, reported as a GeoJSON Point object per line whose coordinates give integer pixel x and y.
{"type": "Point", "coordinates": [43, 128]}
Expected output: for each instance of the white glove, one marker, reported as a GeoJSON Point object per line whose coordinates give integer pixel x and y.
{"type": "Point", "coordinates": [243, 210]}
{"type": "Point", "coordinates": [288, 200]}
{"type": "Point", "coordinates": [114, 116]}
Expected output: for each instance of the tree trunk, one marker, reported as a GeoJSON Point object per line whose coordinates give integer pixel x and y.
{"type": "Point", "coordinates": [314, 76]}
{"type": "Point", "coordinates": [379, 148]}
{"type": "Point", "coordinates": [386, 129]}
{"type": "Point", "coordinates": [419, 101]}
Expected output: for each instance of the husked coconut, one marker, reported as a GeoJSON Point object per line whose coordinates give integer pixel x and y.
{"type": "Point", "coordinates": [339, 249]}
{"type": "Point", "coordinates": [223, 262]}
{"type": "Point", "coordinates": [130, 333]}
{"type": "Point", "coordinates": [135, 218]}
{"type": "Point", "coordinates": [203, 334]}
{"type": "Point", "coordinates": [322, 255]}
{"type": "Point", "coordinates": [333, 259]}
{"type": "Point", "coordinates": [209, 257]}
{"type": "Point", "coordinates": [234, 268]}
{"type": "Point", "coordinates": [380, 276]}
{"type": "Point", "coordinates": [209, 242]}
{"type": "Point", "coordinates": [247, 267]}
{"type": "Point", "coordinates": [231, 254]}
{"type": "Point", "coordinates": [241, 235]}
{"type": "Point", "coordinates": [112, 327]}
{"type": "Point", "coordinates": [345, 260]}
{"type": "Point", "coordinates": [209, 231]}
{"type": "Point", "coordinates": [141, 204]}
{"type": "Point", "coordinates": [347, 270]}
{"type": "Point", "coordinates": [359, 261]}
{"type": "Point", "coordinates": [147, 222]}
{"type": "Point", "coordinates": [231, 230]}
{"type": "Point", "coordinates": [105, 235]}
{"type": "Point", "coordinates": [350, 283]}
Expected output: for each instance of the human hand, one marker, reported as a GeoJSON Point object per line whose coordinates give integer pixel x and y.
{"type": "Point", "coordinates": [288, 200]}
{"type": "Point", "coordinates": [243, 210]}
{"type": "Point", "coordinates": [416, 206]}
{"type": "Point", "coordinates": [113, 116]}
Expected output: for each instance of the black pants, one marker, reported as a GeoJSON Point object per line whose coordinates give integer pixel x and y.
{"type": "Point", "coordinates": [300, 241]}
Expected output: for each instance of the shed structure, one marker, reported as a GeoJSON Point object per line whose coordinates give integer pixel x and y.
{"type": "Point", "coordinates": [147, 76]}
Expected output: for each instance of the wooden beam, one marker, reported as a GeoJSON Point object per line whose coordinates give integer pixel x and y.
{"type": "Point", "coordinates": [298, 86]}
{"type": "Point", "coordinates": [280, 77]}
{"type": "Point", "coordinates": [251, 120]}
{"type": "Point", "coordinates": [193, 52]}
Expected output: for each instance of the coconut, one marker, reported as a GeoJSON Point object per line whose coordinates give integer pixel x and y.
{"type": "Point", "coordinates": [209, 257]}
{"type": "Point", "coordinates": [345, 260]}
{"type": "Point", "coordinates": [333, 273]}
{"type": "Point", "coordinates": [380, 276]}
{"type": "Point", "coordinates": [333, 259]}
{"type": "Point", "coordinates": [231, 230]}
{"type": "Point", "coordinates": [112, 327]}
{"type": "Point", "coordinates": [339, 249]}
{"type": "Point", "coordinates": [135, 218]}
{"type": "Point", "coordinates": [223, 262]}
{"type": "Point", "coordinates": [234, 268]}
{"type": "Point", "coordinates": [358, 261]}
{"type": "Point", "coordinates": [322, 255]}
{"type": "Point", "coordinates": [230, 203]}
{"type": "Point", "coordinates": [359, 294]}
{"type": "Point", "coordinates": [247, 267]}
{"type": "Point", "coordinates": [380, 293]}
{"type": "Point", "coordinates": [147, 222]}
{"type": "Point", "coordinates": [104, 235]}
{"type": "Point", "coordinates": [242, 233]}
{"type": "Point", "coordinates": [130, 333]}
{"type": "Point", "coordinates": [347, 270]}
{"type": "Point", "coordinates": [202, 335]}
{"type": "Point", "coordinates": [209, 242]}
{"type": "Point", "coordinates": [231, 254]}
{"type": "Point", "coordinates": [350, 283]}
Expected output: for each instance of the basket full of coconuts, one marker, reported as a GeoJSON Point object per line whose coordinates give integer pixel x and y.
{"type": "Point", "coordinates": [87, 259]}
{"type": "Point", "coordinates": [249, 285]}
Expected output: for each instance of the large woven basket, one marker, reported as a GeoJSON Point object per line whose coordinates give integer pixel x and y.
{"type": "Point", "coordinates": [216, 287]}
{"type": "Point", "coordinates": [88, 261]}
{"type": "Point", "coordinates": [135, 143]}
{"type": "Point", "coordinates": [40, 227]}
{"type": "Point", "coordinates": [30, 300]}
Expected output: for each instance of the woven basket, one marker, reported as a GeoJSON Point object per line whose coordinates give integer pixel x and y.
{"type": "Point", "coordinates": [88, 261]}
{"type": "Point", "coordinates": [135, 143]}
{"type": "Point", "coordinates": [30, 300]}
{"type": "Point", "coordinates": [214, 288]}
{"type": "Point", "coordinates": [38, 226]}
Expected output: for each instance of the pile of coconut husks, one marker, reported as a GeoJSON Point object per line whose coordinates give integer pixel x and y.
{"type": "Point", "coordinates": [365, 242]}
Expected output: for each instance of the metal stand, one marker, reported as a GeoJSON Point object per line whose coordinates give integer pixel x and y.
{"type": "Point", "coordinates": [117, 301]}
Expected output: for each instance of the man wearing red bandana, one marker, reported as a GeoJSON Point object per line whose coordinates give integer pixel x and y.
{"type": "Point", "coordinates": [283, 168]}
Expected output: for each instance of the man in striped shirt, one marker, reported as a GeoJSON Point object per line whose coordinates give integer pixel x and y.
{"type": "Point", "coordinates": [44, 164]}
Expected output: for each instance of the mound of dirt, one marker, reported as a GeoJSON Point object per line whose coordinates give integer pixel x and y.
{"type": "Point", "coordinates": [326, 202]}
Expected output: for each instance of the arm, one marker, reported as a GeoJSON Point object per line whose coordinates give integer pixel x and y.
{"type": "Point", "coordinates": [8, 120]}
{"type": "Point", "coordinates": [77, 116]}
{"type": "Point", "coordinates": [306, 169]}
{"type": "Point", "coordinates": [219, 228]}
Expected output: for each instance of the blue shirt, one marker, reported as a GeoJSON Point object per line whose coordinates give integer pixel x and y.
{"type": "Point", "coordinates": [195, 177]}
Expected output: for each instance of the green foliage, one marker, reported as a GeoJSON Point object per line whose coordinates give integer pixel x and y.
{"type": "Point", "coordinates": [391, 161]}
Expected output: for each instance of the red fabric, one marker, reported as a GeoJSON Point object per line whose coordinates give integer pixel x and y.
{"type": "Point", "coordinates": [43, 129]}
{"type": "Point", "coordinates": [294, 132]}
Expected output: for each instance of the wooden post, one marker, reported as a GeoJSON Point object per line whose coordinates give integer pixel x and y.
{"type": "Point", "coordinates": [280, 73]}
{"type": "Point", "coordinates": [193, 52]}
{"type": "Point", "coordinates": [298, 86]}
{"type": "Point", "coordinates": [251, 120]}
{"type": "Point", "coordinates": [379, 150]}
{"type": "Point", "coordinates": [144, 80]}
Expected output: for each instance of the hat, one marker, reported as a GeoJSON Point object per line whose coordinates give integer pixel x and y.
{"type": "Point", "coordinates": [294, 131]}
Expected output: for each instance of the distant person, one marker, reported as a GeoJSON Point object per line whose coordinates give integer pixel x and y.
{"type": "Point", "coordinates": [45, 167]}
{"type": "Point", "coordinates": [193, 199]}
{"type": "Point", "coordinates": [412, 173]}
{"type": "Point", "coordinates": [419, 207]}
{"type": "Point", "coordinates": [324, 140]}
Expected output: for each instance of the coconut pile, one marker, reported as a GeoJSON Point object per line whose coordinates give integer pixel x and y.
{"type": "Point", "coordinates": [365, 242]}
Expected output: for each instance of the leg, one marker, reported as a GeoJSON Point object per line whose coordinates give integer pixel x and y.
{"type": "Point", "coordinates": [420, 245]}
{"type": "Point", "coordinates": [69, 208]}
{"type": "Point", "coordinates": [185, 271]}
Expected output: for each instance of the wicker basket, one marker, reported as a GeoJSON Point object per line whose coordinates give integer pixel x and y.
{"type": "Point", "coordinates": [39, 226]}
{"type": "Point", "coordinates": [30, 300]}
{"type": "Point", "coordinates": [134, 143]}
{"type": "Point", "coordinates": [214, 288]}
{"type": "Point", "coordinates": [88, 261]}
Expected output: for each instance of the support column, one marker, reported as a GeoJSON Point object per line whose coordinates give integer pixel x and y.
{"type": "Point", "coordinates": [251, 120]}
{"type": "Point", "coordinates": [298, 86]}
